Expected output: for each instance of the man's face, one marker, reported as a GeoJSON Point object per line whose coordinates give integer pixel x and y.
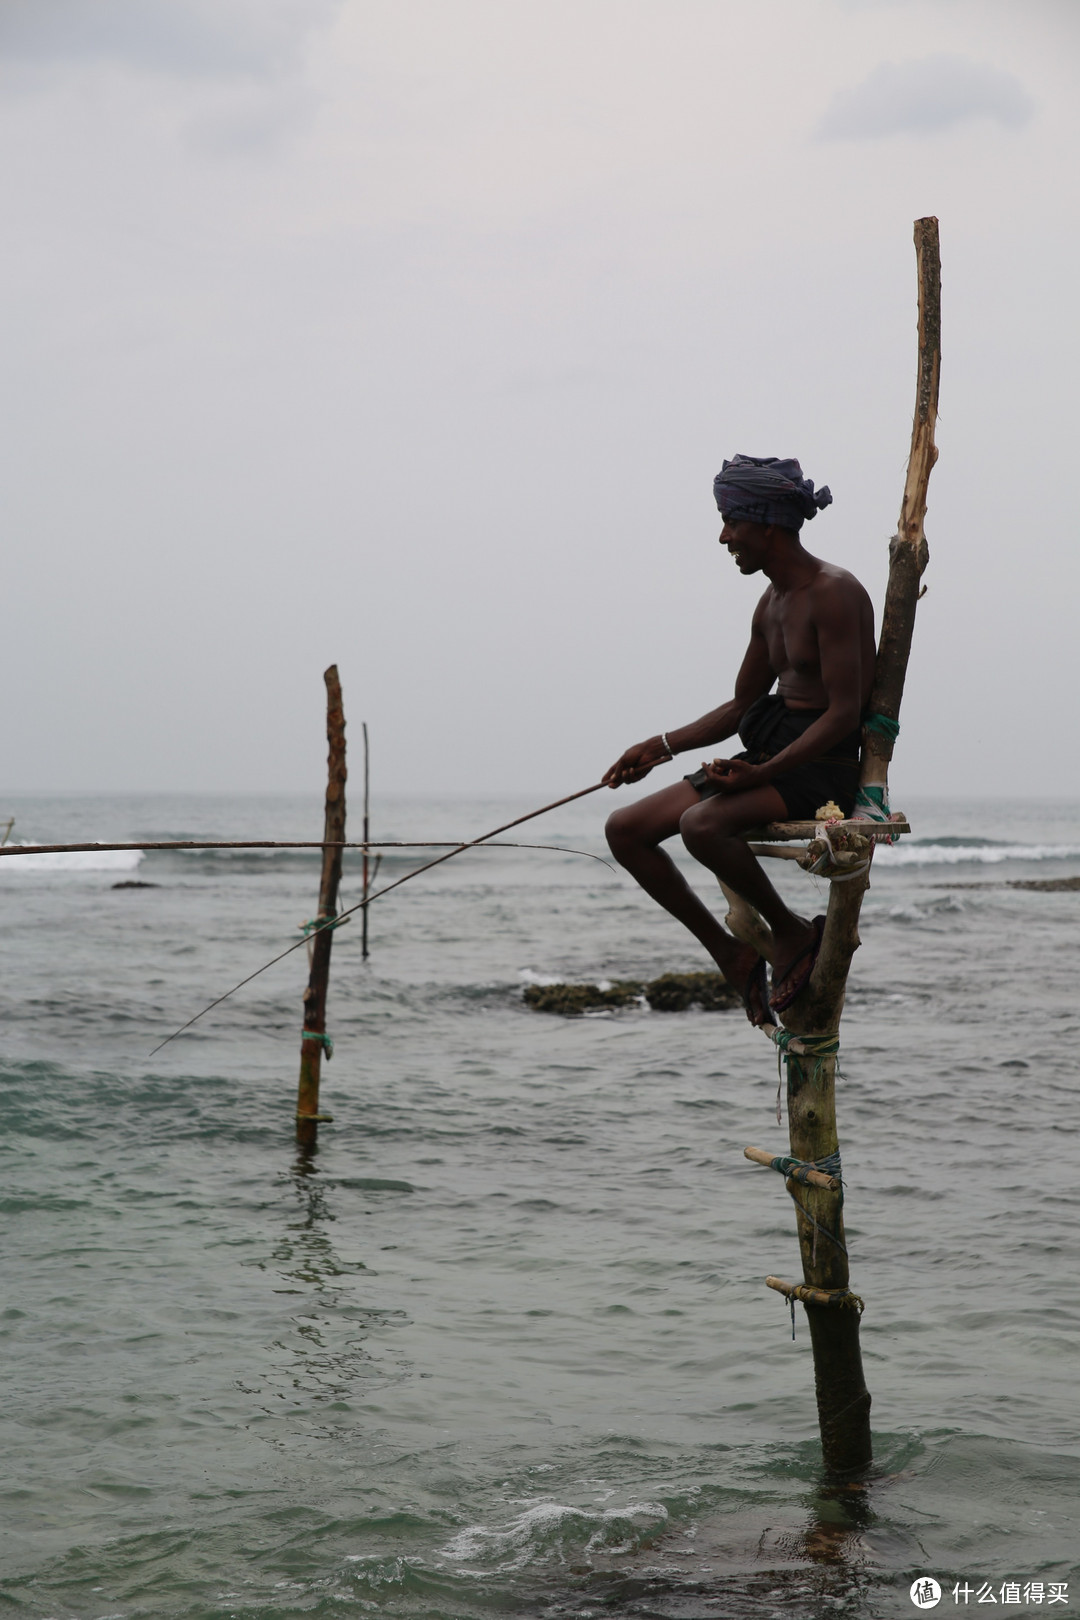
{"type": "Point", "coordinates": [746, 542]}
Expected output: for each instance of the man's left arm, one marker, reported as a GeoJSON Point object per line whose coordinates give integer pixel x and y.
{"type": "Point", "coordinates": [839, 632]}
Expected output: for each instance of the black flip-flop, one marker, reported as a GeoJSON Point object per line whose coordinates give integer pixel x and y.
{"type": "Point", "coordinates": [755, 997]}
{"type": "Point", "coordinates": [808, 958]}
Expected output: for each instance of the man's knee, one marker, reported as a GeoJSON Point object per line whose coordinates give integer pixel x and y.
{"type": "Point", "coordinates": [621, 832]}
{"type": "Point", "coordinates": [702, 825]}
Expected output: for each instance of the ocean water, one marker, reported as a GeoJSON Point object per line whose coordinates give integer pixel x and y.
{"type": "Point", "coordinates": [502, 1346]}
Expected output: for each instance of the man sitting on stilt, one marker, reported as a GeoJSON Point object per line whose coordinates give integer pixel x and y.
{"type": "Point", "coordinates": [813, 633]}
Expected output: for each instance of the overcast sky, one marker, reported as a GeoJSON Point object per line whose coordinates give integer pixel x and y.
{"type": "Point", "coordinates": [410, 333]}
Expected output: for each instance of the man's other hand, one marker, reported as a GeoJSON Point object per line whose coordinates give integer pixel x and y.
{"type": "Point", "coordinates": [734, 775]}
{"type": "Point", "coordinates": [636, 763]}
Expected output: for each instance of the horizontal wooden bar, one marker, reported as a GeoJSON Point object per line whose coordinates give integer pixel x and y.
{"type": "Point", "coordinates": [816, 1178]}
{"type": "Point", "coordinates": [836, 1297]}
{"type": "Point", "coordinates": [784, 831]}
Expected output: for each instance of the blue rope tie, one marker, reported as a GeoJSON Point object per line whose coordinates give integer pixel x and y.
{"type": "Point", "coordinates": [830, 1166]}
{"type": "Point", "coordinates": [797, 1168]}
{"type": "Point", "coordinates": [322, 1038]}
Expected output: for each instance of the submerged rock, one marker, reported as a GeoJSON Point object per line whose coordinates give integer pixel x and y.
{"type": "Point", "coordinates": [671, 992]}
{"type": "Point", "coordinates": [675, 992]}
{"type": "Point", "coordinates": [1058, 885]}
{"type": "Point", "coordinates": [1063, 885]}
{"type": "Point", "coordinates": [571, 999]}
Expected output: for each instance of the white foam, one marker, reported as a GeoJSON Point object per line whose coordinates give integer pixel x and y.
{"type": "Point", "coordinates": [89, 860]}
{"type": "Point", "coordinates": [514, 1545]}
{"type": "Point", "coordinates": [904, 854]}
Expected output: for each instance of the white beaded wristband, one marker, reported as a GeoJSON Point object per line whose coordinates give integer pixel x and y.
{"type": "Point", "coordinates": [667, 745]}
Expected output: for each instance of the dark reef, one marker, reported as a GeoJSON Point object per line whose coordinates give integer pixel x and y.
{"type": "Point", "coordinates": [671, 992]}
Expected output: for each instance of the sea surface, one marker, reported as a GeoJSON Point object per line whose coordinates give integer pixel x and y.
{"type": "Point", "coordinates": [502, 1346]}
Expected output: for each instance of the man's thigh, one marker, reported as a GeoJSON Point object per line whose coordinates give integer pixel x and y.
{"type": "Point", "coordinates": [654, 818]}
{"type": "Point", "coordinates": [725, 814]}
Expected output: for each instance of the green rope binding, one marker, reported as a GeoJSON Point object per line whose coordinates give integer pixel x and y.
{"type": "Point", "coordinates": [818, 1047]}
{"type": "Point", "coordinates": [322, 1038]}
{"type": "Point", "coordinates": [872, 804]}
{"type": "Point", "coordinates": [872, 801]}
{"type": "Point", "coordinates": [318, 924]}
{"type": "Point", "coordinates": [883, 726]}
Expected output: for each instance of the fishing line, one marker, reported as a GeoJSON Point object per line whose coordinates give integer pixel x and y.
{"type": "Point", "coordinates": [335, 922]}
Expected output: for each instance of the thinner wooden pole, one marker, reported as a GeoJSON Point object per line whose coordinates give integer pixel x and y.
{"type": "Point", "coordinates": [842, 1397]}
{"type": "Point", "coordinates": [314, 1040]}
{"type": "Point", "coordinates": [367, 868]}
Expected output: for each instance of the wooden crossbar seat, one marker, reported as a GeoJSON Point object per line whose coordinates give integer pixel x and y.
{"type": "Point", "coordinates": [776, 838]}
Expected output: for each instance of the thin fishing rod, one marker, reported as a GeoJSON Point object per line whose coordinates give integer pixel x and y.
{"type": "Point", "coordinates": [335, 922]}
{"type": "Point", "coordinates": [580, 794]}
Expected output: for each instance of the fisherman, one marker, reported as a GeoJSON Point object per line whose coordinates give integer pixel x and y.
{"type": "Point", "coordinates": [813, 634]}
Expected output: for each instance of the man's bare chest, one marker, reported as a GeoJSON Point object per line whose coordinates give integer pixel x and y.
{"type": "Point", "coordinates": [791, 635]}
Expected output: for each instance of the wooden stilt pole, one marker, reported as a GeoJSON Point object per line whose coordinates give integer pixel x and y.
{"type": "Point", "coordinates": [315, 1039]}
{"type": "Point", "coordinates": [842, 1397]}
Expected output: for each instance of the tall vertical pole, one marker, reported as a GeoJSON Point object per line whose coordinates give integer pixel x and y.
{"type": "Point", "coordinates": [367, 835]}
{"type": "Point", "coordinates": [832, 1310]}
{"type": "Point", "coordinates": [842, 1397]}
{"type": "Point", "coordinates": [314, 1039]}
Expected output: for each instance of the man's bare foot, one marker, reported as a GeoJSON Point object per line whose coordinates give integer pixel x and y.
{"type": "Point", "coordinates": [746, 971]}
{"type": "Point", "coordinates": [798, 953]}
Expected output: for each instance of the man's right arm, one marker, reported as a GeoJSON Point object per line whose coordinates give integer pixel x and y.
{"type": "Point", "coordinates": [755, 677]}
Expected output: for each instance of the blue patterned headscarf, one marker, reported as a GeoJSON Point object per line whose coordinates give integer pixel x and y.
{"type": "Point", "coordinates": [768, 489]}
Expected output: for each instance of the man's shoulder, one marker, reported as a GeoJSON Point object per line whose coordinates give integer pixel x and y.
{"type": "Point", "coordinates": [833, 583]}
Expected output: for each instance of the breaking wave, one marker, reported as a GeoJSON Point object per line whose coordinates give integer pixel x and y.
{"type": "Point", "coordinates": [89, 860]}
{"type": "Point", "coordinates": [549, 1529]}
{"type": "Point", "coordinates": [956, 851]}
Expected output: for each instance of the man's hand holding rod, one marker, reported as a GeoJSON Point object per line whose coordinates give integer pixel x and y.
{"type": "Point", "coordinates": [639, 760]}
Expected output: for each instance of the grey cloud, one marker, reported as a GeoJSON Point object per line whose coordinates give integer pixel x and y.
{"type": "Point", "coordinates": [923, 97]}
{"type": "Point", "coordinates": [257, 123]}
{"type": "Point", "coordinates": [192, 37]}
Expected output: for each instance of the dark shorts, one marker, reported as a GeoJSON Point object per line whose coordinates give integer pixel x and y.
{"type": "Point", "coordinates": [768, 726]}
